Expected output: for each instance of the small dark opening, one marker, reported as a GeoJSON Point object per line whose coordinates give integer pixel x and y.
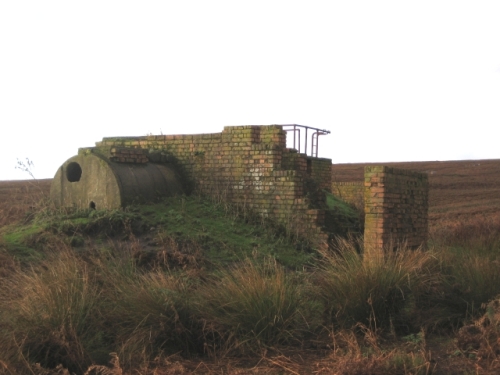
{"type": "Point", "coordinates": [309, 167]}
{"type": "Point", "coordinates": [92, 205]}
{"type": "Point", "coordinates": [73, 172]}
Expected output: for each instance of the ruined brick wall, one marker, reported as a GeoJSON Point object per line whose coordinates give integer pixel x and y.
{"type": "Point", "coordinates": [320, 170]}
{"type": "Point", "coordinates": [246, 165]}
{"type": "Point", "coordinates": [396, 208]}
{"type": "Point", "coordinates": [251, 166]}
{"type": "Point", "coordinates": [350, 192]}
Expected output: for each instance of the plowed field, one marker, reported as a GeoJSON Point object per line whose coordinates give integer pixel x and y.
{"type": "Point", "coordinates": [457, 189]}
{"type": "Point", "coordinates": [17, 197]}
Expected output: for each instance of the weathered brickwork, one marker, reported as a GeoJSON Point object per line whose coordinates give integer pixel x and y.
{"type": "Point", "coordinates": [350, 192]}
{"type": "Point", "coordinates": [250, 166]}
{"type": "Point", "coordinates": [396, 208]}
{"type": "Point", "coordinates": [320, 171]}
{"type": "Point", "coordinates": [128, 155]}
{"type": "Point", "coordinates": [246, 165]}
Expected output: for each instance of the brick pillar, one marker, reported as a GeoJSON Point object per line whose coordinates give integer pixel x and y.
{"type": "Point", "coordinates": [396, 209]}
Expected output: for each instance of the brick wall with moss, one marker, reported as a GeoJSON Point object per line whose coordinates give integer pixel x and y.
{"type": "Point", "coordinates": [396, 208]}
{"type": "Point", "coordinates": [320, 170]}
{"type": "Point", "coordinates": [246, 165]}
{"type": "Point", "coordinates": [350, 192]}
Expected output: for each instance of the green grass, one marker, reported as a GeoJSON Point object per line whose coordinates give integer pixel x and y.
{"type": "Point", "coordinates": [22, 241]}
{"type": "Point", "coordinates": [339, 205]}
{"type": "Point", "coordinates": [223, 236]}
{"type": "Point", "coordinates": [342, 219]}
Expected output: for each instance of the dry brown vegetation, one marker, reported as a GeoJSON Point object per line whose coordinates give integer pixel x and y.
{"type": "Point", "coordinates": [453, 338]}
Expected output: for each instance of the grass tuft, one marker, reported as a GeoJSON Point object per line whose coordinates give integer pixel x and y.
{"type": "Point", "coordinates": [149, 313]}
{"type": "Point", "coordinates": [375, 292]}
{"type": "Point", "coordinates": [254, 305]}
{"type": "Point", "coordinates": [50, 314]}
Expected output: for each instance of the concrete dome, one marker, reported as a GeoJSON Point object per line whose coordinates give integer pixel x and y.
{"type": "Point", "coordinates": [90, 180]}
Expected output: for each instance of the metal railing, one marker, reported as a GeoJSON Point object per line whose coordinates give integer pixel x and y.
{"type": "Point", "coordinates": [297, 140]}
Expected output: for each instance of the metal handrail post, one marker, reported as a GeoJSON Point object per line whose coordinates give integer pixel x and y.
{"type": "Point", "coordinates": [315, 137]}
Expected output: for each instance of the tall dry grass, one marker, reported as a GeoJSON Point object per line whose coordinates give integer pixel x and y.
{"type": "Point", "coordinates": [471, 280]}
{"type": "Point", "coordinates": [149, 313]}
{"type": "Point", "coordinates": [50, 314]}
{"type": "Point", "coordinates": [72, 312]}
{"type": "Point", "coordinates": [476, 233]}
{"type": "Point", "coordinates": [480, 340]}
{"type": "Point", "coordinates": [375, 293]}
{"type": "Point", "coordinates": [362, 353]}
{"type": "Point", "coordinates": [468, 250]}
{"type": "Point", "coordinates": [252, 306]}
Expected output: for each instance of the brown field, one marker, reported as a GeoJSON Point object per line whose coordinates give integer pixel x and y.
{"type": "Point", "coordinates": [18, 197]}
{"type": "Point", "coordinates": [458, 190]}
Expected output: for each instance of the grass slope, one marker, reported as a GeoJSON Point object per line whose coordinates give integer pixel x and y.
{"type": "Point", "coordinates": [220, 235]}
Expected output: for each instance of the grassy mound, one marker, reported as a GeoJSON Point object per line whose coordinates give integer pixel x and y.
{"type": "Point", "coordinates": [221, 234]}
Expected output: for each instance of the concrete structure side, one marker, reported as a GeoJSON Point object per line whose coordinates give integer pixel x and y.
{"type": "Point", "coordinates": [90, 180]}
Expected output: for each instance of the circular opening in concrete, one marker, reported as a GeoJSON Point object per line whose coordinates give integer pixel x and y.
{"type": "Point", "coordinates": [92, 205]}
{"type": "Point", "coordinates": [73, 172]}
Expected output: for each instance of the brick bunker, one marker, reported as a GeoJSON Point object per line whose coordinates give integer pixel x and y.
{"type": "Point", "coordinates": [249, 166]}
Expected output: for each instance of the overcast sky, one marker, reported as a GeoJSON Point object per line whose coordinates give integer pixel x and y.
{"type": "Point", "coordinates": [392, 80]}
